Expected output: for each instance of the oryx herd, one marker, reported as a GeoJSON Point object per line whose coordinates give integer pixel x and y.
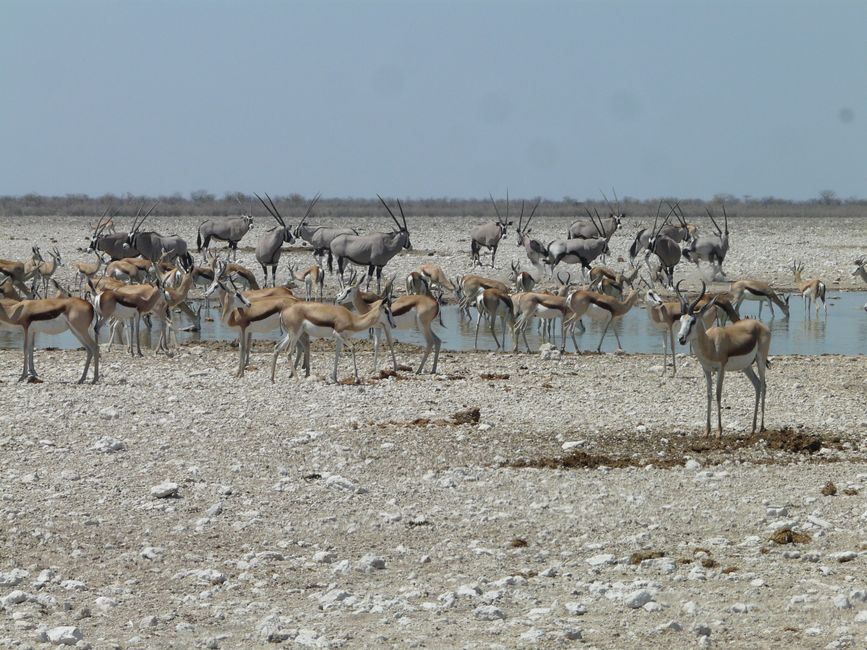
{"type": "Point", "coordinates": [123, 279]}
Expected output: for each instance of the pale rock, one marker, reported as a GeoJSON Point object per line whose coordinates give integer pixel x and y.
{"type": "Point", "coordinates": [533, 635]}
{"type": "Point", "coordinates": [861, 616]}
{"type": "Point", "coordinates": [331, 598]}
{"type": "Point", "coordinates": [105, 603]}
{"type": "Point", "coordinates": [692, 464]}
{"type": "Point", "coordinates": [108, 445]}
{"type": "Point", "coordinates": [652, 607]}
{"type": "Point", "coordinates": [324, 557]}
{"type": "Point", "coordinates": [151, 552]}
{"type": "Point", "coordinates": [638, 598]}
{"type": "Point", "coordinates": [841, 602]}
{"type": "Point", "coordinates": [215, 509]}
{"type": "Point", "coordinates": [70, 475]}
{"type": "Point", "coordinates": [489, 613]}
{"type": "Point", "coordinates": [14, 597]}
{"type": "Point", "coordinates": [109, 413]}
{"type": "Point", "coordinates": [73, 585]}
{"type": "Point", "coordinates": [575, 609]}
{"type": "Point", "coordinates": [164, 490]}
{"type": "Point", "coordinates": [671, 626]}
{"type": "Point", "coordinates": [13, 577]}
{"type": "Point", "coordinates": [64, 635]}
{"type": "Point", "coordinates": [148, 621]}
{"type": "Point", "coordinates": [572, 633]}
{"type": "Point", "coordinates": [468, 591]}
{"type": "Point", "coordinates": [371, 562]}
{"type": "Point", "coordinates": [843, 556]}
{"type": "Point", "coordinates": [600, 560]}
{"type": "Point", "coordinates": [340, 483]}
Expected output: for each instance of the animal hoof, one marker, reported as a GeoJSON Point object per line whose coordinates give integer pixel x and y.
{"type": "Point", "coordinates": [34, 380]}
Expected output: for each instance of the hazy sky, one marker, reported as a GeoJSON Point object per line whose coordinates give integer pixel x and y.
{"type": "Point", "coordinates": [429, 99]}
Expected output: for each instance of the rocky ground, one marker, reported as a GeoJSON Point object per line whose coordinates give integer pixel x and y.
{"type": "Point", "coordinates": [510, 500]}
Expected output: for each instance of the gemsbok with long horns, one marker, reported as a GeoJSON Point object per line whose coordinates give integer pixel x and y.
{"type": "Point", "coordinates": [489, 234]}
{"type": "Point", "coordinates": [735, 347]}
{"type": "Point", "coordinates": [270, 246]}
{"type": "Point", "coordinates": [228, 229]}
{"type": "Point", "coordinates": [710, 248]}
{"type": "Point", "coordinates": [374, 250]}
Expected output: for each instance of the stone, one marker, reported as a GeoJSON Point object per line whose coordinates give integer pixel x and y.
{"type": "Point", "coordinates": [489, 613]}
{"type": "Point", "coordinates": [64, 635]}
{"type": "Point", "coordinates": [371, 562]}
{"type": "Point", "coordinates": [73, 585]}
{"type": "Point", "coordinates": [215, 509]}
{"type": "Point", "coordinates": [601, 560]}
{"type": "Point", "coordinates": [575, 609]}
{"type": "Point", "coordinates": [324, 557]}
{"type": "Point", "coordinates": [109, 413]}
{"type": "Point", "coordinates": [151, 552]}
{"type": "Point", "coordinates": [105, 603]}
{"type": "Point", "coordinates": [165, 490]}
{"type": "Point", "coordinates": [108, 445]}
{"type": "Point", "coordinates": [841, 602]}
{"type": "Point", "coordinates": [13, 598]}
{"type": "Point", "coordinates": [692, 464]}
{"type": "Point", "coordinates": [13, 577]}
{"type": "Point", "coordinates": [671, 626]}
{"type": "Point", "coordinates": [843, 556]}
{"type": "Point", "coordinates": [638, 598]}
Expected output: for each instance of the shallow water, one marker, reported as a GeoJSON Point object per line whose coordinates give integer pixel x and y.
{"type": "Point", "coordinates": [843, 332]}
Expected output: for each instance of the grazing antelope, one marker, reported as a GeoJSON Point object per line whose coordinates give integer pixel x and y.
{"type": "Point", "coordinates": [52, 316]}
{"type": "Point", "coordinates": [416, 284]}
{"type": "Point", "coordinates": [812, 290]}
{"type": "Point", "coordinates": [536, 251]}
{"type": "Point", "coordinates": [319, 320]}
{"type": "Point", "coordinates": [87, 271]}
{"type": "Point", "coordinates": [467, 288]}
{"type": "Point", "coordinates": [312, 276]}
{"type": "Point", "coordinates": [270, 246]}
{"type": "Point", "coordinates": [416, 310]}
{"type": "Point", "coordinates": [600, 307]}
{"type": "Point", "coordinates": [522, 280]}
{"type": "Point", "coordinates": [177, 298]}
{"type": "Point", "coordinates": [760, 291]}
{"type": "Point", "coordinates": [732, 347]}
{"type": "Point", "coordinates": [494, 303]}
{"type": "Point", "coordinates": [711, 248]}
{"type": "Point", "coordinates": [489, 234]}
{"type": "Point", "coordinates": [227, 229]}
{"type": "Point", "coordinates": [374, 250]}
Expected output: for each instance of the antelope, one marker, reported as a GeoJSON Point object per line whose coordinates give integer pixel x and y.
{"type": "Point", "coordinates": [115, 244]}
{"type": "Point", "coordinates": [665, 248]}
{"type": "Point", "coordinates": [581, 228]}
{"type": "Point", "coordinates": [600, 307]}
{"type": "Point", "coordinates": [227, 229]}
{"type": "Point", "coordinates": [108, 226]}
{"type": "Point", "coordinates": [130, 303]}
{"type": "Point", "coordinates": [270, 246]}
{"type": "Point", "coordinates": [712, 248]}
{"type": "Point", "coordinates": [543, 306]}
{"type": "Point", "coordinates": [127, 270]}
{"type": "Point", "coordinates": [758, 290]}
{"type": "Point", "coordinates": [336, 322]}
{"type": "Point", "coordinates": [320, 239]}
{"type": "Point", "coordinates": [312, 276]}
{"type": "Point", "coordinates": [536, 251]}
{"type": "Point", "coordinates": [860, 269]}
{"type": "Point", "coordinates": [177, 298]}
{"type": "Point", "coordinates": [151, 245]}
{"type": "Point", "coordinates": [436, 277]}
{"type": "Point", "coordinates": [732, 347]}
{"type": "Point", "coordinates": [812, 290]}
{"type": "Point", "coordinates": [489, 234]}
{"type": "Point", "coordinates": [52, 316]}
{"type": "Point", "coordinates": [467, 287]}
{"type": "Point", "coordinates": [20, 272]}
{"type": "Point", "coordinates": [575, 251]}
{"type": "Point", "coordinates": [523, 280]}
{"type": "Point", "coordinates": [86, 271]}
{"type": "Point", "coordinates": [374, 250]}
{"type": "Point", "coordinates": [494, 303]}
{"type": "Point", "coordinates": [418, 311]}
{"type": "Point", "coordinates": [46, 268]}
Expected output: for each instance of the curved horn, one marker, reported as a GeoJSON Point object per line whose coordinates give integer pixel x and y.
{"type": "Point", "coordinates": [680, 296]}
{"type": "Point", "coordinates": [697, 300]}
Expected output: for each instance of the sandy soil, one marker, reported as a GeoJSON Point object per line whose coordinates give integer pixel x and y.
{"type": "Point", "coordinates": [172, 505]}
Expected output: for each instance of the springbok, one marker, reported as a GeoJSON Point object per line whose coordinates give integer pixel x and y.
{"type": "Point", "coordinates": [270, 246]}
{"type": "Point", "coordinates": [311, 276]}
{"type": "Point", "coordinates": [417, 311]}
{"type": "Point", "coordinates": [129, 304]}
{"type": "Point", "coordinates": [374, 250]}
{"type": "Point", "coordinates": [52, 316]}
{"type": "Point", "coordinates": [542, 306]}
{"type": "Point", "coordinates": [599, 307]}
{"type": "Point", "coordinates": [227, 229]}
{"type": "Point", "coordinates": [523, 280]}
{"type": "Point", "coordinates": [760, 291]}
{"type": "Point", "coordinates": [20, 272]}
{"type": "Point", "coordinates": [489, 234]}
{"type": "Point", "coordinates": [86, 270]}
{"type": "Point", "coordinates": [319, 320]}
{"type": "Point", "coordinates": [468, 287]}
{"type": "Point", "coordinates": [860, 270]}
{"type": "Point", "coordinates": [732, 347]}
{"type": "Point", "coordinates": [436, 277]}
{"type": "Point", "coordinates": [812, 290]}
{"type": "Point", "coordinates": [494, 303]}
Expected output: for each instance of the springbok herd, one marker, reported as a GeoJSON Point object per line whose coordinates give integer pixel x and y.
{"type": "Point", "coordinates": [139, 275]}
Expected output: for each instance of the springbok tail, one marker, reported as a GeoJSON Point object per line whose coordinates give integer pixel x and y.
{"type": "Point", "coordinates": [821, 291]}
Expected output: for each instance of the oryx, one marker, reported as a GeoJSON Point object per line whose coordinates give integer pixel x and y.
{"type": "Point", "coordinates": [578, 251]}
{"type": "Point", "coordinates": [270, 245]}
{"type": "Point", "coordinates": [151, 245]}
{"type": "Point", "coordinates": [711, 248]}
{"type": "Point", "coordinates": [374, 250]}
{"type": "Point", "coordinates": [489, 234]}
{"type": "Point", "coordinates": [113, 245]}
{"type": "Point", "coordinates": [537, 252]}
{"type": "Point", "coordinates": [320, 239]}
{"type": "Point", "coordinates": [665, 248]}
{"type": "Point", "coordinates": [227, 229]}
{"type": "Point", "coordinates": [583, 228]}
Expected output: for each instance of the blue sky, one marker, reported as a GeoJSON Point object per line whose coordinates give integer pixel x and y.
{"type": "Point", "coordinates": [430, 99]}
